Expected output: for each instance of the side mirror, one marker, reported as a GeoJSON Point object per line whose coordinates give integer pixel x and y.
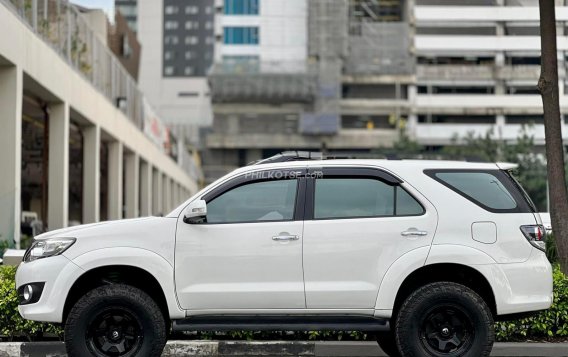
{"type": "Point", "coordinates": [195, 213]}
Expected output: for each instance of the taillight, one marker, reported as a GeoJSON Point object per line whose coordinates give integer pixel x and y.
{"type": "Point", "coordinates": [536, 235]}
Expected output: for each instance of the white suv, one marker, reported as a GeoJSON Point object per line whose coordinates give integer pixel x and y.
{"type": "Point", "coordinates": [426, 253]}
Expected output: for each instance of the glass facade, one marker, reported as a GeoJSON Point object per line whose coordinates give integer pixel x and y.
{"type": "Point", "coordinates": [240, 35]}
{"type": "Point", "coordinates": [241, 7]}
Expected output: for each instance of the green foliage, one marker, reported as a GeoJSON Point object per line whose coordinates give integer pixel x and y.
{"type": "Point", "coordinates": [551, 252]}
{"type": "Point", "coordinates": [549, 324]}
{"type": "Point", "coordinates": [4, 244]}
{"type": "Point", "coordinates": [552, 323]}
{"type": "Point", "coordinates": [12, 325]}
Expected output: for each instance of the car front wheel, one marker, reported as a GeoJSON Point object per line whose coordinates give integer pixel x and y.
{"type": "Point", "coordinates": [115, 320]}
{"type": "Point", "coordinates": [444, 319]}
{"type": "Point", "coordinates": [387, 343]}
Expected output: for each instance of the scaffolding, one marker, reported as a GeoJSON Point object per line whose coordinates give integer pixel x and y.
{"type": "Point", "coordinates": [328, 35]}
{"type": "Point", "coordinates": [379, 39]}
{"type": "Point", "coordinates": [380, 48]}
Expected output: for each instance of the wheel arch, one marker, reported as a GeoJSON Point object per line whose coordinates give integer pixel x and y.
{"type": "Point", "coordinates": [430, 264]}
{"type": "Point", "coordinates": [452, 272]}
{"type": "Point", "coordinates": [114, 274]}
{"type": "Point", "coordinates": [137, 267]}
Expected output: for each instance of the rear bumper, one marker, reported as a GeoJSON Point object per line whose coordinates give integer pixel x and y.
{"type": "Point", "coordinates": [521, 287]}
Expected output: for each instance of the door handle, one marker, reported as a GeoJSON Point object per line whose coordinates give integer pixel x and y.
{"type": "Point", "coordinates": [285, 237]}
{"type": "Point", "coordinates": [413, 232]}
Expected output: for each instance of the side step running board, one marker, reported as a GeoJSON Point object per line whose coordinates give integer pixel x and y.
{"type": "Point", "coordinates": [280, 323]}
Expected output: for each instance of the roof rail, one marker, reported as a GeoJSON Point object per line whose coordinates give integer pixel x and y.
{"type": "Point", "coordinates": [290, 156]}
{"type": "Point", "coordinates": [296, 155]}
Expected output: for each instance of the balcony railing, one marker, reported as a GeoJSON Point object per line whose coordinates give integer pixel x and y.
{"type": "Point", "coordinates": [479, 72]}
{"type": "Point", "coordinates": [64, 28]}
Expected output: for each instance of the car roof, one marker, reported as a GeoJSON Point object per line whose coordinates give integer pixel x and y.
{"type": "Point", "coordinates": [386, 164]}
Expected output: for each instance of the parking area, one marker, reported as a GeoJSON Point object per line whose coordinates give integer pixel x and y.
{"type": "Point", "coordinates": [278, 348]}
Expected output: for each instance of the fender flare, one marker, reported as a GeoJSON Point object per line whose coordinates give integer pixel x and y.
{"type": "Point", "coordinates": [140, 258]}
{"type": "Point", "coordinates": [420, 257]}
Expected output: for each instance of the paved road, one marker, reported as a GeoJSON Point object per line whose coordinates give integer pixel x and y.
{"type": "Point", "coordinates": [301, 348]}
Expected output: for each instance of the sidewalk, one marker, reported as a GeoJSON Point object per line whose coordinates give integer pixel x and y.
{"type": "Point", "coordinates": [276, 348]}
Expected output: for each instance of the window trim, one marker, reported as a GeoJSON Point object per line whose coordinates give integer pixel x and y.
{"type": "Point", "coordinates": [522, 206]}
{"type": "Point", "coordinates": [354, 173]}
{"type": "Point", "coordinates": [265, 176]}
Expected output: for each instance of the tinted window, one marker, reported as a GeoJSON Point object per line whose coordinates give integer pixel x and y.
{"type": "Point", "coordinates": [259, 201]}
{"type": "Point", "coordinates": [361, 197]}
{"type": "Point", "coordinates": [406, 205]}
{"type": "Point", "coordinates": [482, 187]}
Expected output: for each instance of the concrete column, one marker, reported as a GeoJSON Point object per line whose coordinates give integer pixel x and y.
{"type": "Point", "coordinates": [58, 179]}
{"type": "Point", "coordinates": [166, 195]}
{"type": "Point", "coordinates": [114, 180]}
{"type": "Point", "coordinates": [412, 126]}
{"type": "Point", "coordinates": [11, 89]}
{"type": "Point", "coordinates": [177, 194]}
{"type": "Point", "coordinates": [157, 193]}
{"type": "Point", "coordinates": [132, 185]}
{"type": "Point", "coordinates": [145, 189]}
{"type": "Point", "coordinates": [91, 174]}
{"type": "Point", "coordinates": [500, 125]}
{"type": "Point", "coordinates": [175, 198]}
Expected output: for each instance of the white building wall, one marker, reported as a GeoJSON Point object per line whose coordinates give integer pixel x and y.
{"type": "Point", "coordinates": [164, 93]}
{"type": "Point", "coordinates": [498, 75]}
{"type": "Point", "coordinates": [282, 27]}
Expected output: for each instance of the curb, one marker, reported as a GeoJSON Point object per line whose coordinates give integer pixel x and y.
{"type": "Point", "coordinates": [279, 348]}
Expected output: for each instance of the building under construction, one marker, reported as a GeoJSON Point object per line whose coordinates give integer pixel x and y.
{"type": "Point", "coordinates": [345, 75]}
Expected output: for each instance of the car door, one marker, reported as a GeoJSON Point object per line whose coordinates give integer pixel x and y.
{"type": "Point", "coordinates": [248, 253]}
{"type": "Point", "coordinates": [358, 222]}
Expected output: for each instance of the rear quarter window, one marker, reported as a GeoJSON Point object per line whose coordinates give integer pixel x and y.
{"type": "Point", "coordinates": [489, 189]}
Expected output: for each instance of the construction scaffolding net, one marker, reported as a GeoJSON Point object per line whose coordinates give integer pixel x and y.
{"type": "Point", "coordinates": [380, 48]}
{"type": "Point", "coordinates": [254, 81]}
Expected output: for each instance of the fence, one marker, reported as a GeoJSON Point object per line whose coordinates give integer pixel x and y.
{"type": "Point", "coordinates": [64, 28]}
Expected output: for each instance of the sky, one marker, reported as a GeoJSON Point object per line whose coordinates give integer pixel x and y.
{"type": "Point", "coordinates": [106, 5]}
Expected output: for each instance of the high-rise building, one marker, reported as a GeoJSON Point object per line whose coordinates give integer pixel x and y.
{"type": "Point", "coordinates": [438, 68]}
{"type": "Point", "coordinates": [177, 39]}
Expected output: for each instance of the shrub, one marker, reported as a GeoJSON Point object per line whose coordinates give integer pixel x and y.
{"type": "Point", "coordinates": [552, 323]}
{"type": "Point", "coordinates": [551, 252]}
{"type": "Point", "coordinates": [549, 324]}
{"type": "Point", "coordinates": [12, 325]}
{"type": "Point", "coordinates": [3, 246]}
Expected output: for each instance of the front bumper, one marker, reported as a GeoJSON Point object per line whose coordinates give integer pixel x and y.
{"type": "Point", "coordinates": [58, 273]}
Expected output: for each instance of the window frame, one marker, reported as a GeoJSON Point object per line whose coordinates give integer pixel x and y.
{"type": "Point", "coordinates": [241, 7]}
{"type": "Point", "coordinates": [522, 205]}
{"type": "Point", "coordinates": [264, 176]}
{"type": "Point", "coordinates": [354, 173]}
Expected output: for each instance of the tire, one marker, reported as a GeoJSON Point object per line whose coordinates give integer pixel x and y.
{"type": "Point", "coordinates": [115, 320]}
{"type": "Point", "coordinates": [387, 343]}
{"type": "Point", "coordinates": [444, 319]}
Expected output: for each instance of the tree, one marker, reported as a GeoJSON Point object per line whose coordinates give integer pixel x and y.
{"type": "Point", "coordinates": [548, 87]}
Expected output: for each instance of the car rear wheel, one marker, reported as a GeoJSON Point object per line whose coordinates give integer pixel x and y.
{"type": "Point", "coordinates": [444, 319]}
{"type": "Point", "coordinates": [115, 320]}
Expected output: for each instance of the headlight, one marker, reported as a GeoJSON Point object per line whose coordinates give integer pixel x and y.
{"type": "Point", "coordinates": [47, 248]}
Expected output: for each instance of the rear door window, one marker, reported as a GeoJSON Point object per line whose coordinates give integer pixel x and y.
{"type": "Point", "coordinates": [490, 189]}
{"type": "Point", "coordinates": [359, 197]}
